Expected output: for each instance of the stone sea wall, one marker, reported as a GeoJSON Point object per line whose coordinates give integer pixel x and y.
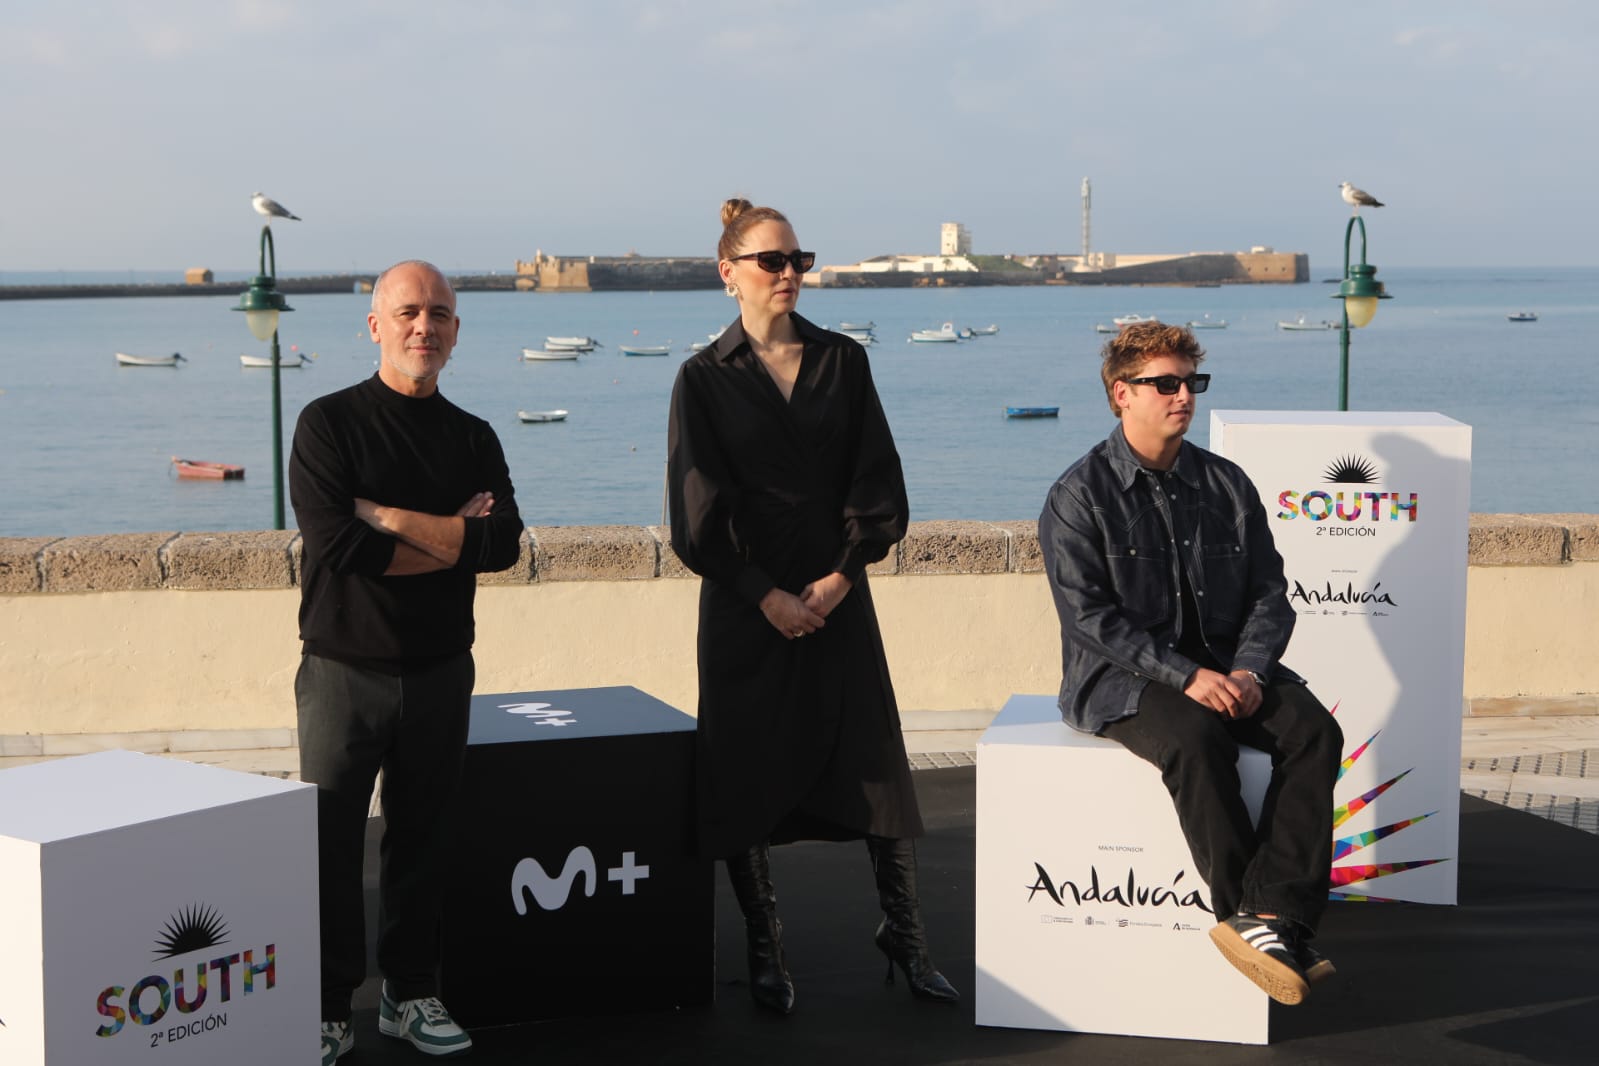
{"type": "Point", "coordinates": [130, 633]}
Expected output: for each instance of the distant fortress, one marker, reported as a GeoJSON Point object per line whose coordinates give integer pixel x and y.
{"type": "Point", "coordinates": [1258, 266]}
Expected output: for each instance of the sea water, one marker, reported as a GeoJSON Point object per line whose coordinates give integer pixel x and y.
{"type": "Point", "coordinates": [87, 445]}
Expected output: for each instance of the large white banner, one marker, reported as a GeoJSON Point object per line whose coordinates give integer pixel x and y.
{"type": "Point", "coordinates": [1369, 511]}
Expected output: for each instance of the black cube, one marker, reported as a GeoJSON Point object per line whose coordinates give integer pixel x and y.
{"type": "Point", "coordinates": [575, 889]}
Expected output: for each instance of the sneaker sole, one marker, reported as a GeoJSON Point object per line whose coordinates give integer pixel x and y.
{"type": "Point", "coordinates": [1320, 972]}
{"type": "Point", "coordinates": [1278, 980]}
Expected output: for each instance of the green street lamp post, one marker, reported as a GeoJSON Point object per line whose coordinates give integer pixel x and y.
{"type": "Point", "coordinates": [262, 304]}
{"type": "Point", "coordinates": [1360, 291]}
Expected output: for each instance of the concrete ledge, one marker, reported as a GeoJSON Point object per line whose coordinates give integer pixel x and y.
{"type": "Point", "coordinates": [115, 562]}
{"type": "Point", "coordinates": [593, 553]}
{"type": "Point", "coordinates": [1026, 556]}
{"type": "Point", "coordinates": [519, 574]}
{"type": "Point", "coordinates": [950, 547]}
{"type": "Point", "coordinates": [257, 560]}
{"type": "Point", "coordinates": [1582, 535]}
{"type": "Point", "coordinates": [670, 565]}
{"type": "Point", "coordinates": [19, 563]}
{"type": "Point", "coordinates": [1515, 540]}
{"type": "Point", "coordinates": [274, 559]}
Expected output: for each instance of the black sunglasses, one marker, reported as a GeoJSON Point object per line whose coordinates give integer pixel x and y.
{"type": "Point", "coordinates": [772, 262]}
{"type": "Point", "coordinates": [1168, 384]}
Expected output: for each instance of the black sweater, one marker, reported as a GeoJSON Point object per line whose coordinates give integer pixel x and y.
{"type": "Point", "coordinates": [419, 454]}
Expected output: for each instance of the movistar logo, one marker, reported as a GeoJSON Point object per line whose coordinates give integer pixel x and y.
{"type": "Point", "coordinates": [552, 893]}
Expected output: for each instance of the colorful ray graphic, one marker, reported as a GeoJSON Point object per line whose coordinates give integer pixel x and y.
{"type": "Point", "coordinates": [1349, 760]}
{"type": "Point", "coordinates": [1348, 875]}
{"type": "Point", "coordinates": [1356, 805]}
{"type": "Point", "coordinates": [1342, 847]}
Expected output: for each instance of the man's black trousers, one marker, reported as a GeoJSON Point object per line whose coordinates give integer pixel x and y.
{"type": "Point", "coordinates": [1281, 866]}
{"type": "Point", "coordinates": [413, 727]}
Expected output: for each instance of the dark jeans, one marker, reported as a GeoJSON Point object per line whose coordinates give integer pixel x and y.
{"type": "Point", "coordinates": [413, 726]}
{"type": "Point", "coordinates": [1281, 866]}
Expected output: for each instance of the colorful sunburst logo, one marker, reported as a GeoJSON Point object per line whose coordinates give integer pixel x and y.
{"type": "Point", "coordinates": [1351, 470]}
{"type": "Point", "coordinates": [1342, 847]}
{"type": "Point", "coordinates": [194, 928]}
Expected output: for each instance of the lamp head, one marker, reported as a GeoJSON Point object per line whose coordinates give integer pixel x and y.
{"type": "Point", "coordinates": [261, 304]}
{"type": "Point", "coordinates": [1360, 290]}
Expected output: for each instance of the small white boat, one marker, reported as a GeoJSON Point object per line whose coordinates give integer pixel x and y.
{"type": "Point", "coordinates": [1523, 316]}
{"type": "Point", "coordinates": [860, 336]}
{"type": "Point", "coordinates": [1100, 327]}
{"type": "Point", "coordinates": [1128, 320]}
{"type": "Point", "coordinates": [1208, 323]}
{"type": "Point", "coordinates": [580, 344]}
{"type": "Point", "coordinates": [1301, 325]}
{"type": "Point", "coordinates": [259, 362]}
{"type": "Point", "coordinates": [557, 415]}
{"type": "Point", "coordinates": [856, 327]}
{"type": "Point", "coordinates": [698, 346]}
{"type": "Point", "coordinates": [644, 349]}
{"type": "Point", "coordinates": [984, 331]}
{"type": "Point", "coordinates": [548, 355]}
{"type": "Point", "coordinates": [945, 334]}
{"type": "Point", "coordinates": [124, 359]}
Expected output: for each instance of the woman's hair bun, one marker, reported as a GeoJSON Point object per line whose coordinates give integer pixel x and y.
{"type": "Point", "coordinates": [731, 209]}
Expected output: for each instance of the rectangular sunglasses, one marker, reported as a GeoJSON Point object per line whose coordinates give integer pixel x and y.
{"type": "Point", "coordinates": [1168, 384]}
{"type": "Point", "coordinates": [772, 262]}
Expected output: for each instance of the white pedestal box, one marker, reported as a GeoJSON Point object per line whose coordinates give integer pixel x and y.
{"type": "Point", "coordinates": [1369, 511]}
{"type": "Point", "coordinates": [156, 912]}
{"type": "Point", "coordinates": [1090, 915]}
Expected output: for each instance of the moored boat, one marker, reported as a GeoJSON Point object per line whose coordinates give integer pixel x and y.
{"type": "Point", "coordinates": [548, 355]}
{"type": "Point", "coordinates": [1100, 327]}
{"type": "Point", "coordinates": [124, 359]}
{"type": "Point", "coordinates": [856, 327]}
{"type": "Point", "coordinates": [862, 337]}
{"type": "Point", "coordinates": [1301, 324]}
{"type": "Point", "coordinates": [257, 362]}
{"type": "Point", "coordinates": [203, 471]}
{"type": "Point", "coordinates": [945, 334]}
{"type": "Point", "coordinates": [558, 415]}
{"type": "Point", "coordinates": [644, 349]}
{"type": "Point", "coordinates": [580, 344]}
{"type": "Point", "coordinates": [1128, 320]}
{"type": "Point", "coordinates": [984, 331]}
{"type": "Point", "coordinates": [1208, 323]}
{"type": "Point", "coordinates": [1523, 316]}
{"type": "Point", "coordinates": [1032, 412]}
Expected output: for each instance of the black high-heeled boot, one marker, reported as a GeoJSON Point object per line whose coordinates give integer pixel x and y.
{"type": "Point", "coordinates": [751, 876]}
{"type": "Point", "coordinates": [900, 936]}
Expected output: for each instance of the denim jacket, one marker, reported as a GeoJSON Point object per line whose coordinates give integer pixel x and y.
{"type": "Point", "coordinates": [1113, 535]}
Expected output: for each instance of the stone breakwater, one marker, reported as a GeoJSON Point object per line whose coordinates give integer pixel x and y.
{"type": "Point", "coordinates": [271, 559]}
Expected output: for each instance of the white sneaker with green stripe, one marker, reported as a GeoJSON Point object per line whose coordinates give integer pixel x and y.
{"type": "Point", "coordinates": [423, 1022]}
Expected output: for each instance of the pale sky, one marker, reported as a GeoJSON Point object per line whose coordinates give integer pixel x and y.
{"type": "Point", "coordinates": [472, 133]}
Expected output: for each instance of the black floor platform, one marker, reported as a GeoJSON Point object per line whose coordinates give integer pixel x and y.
{"type": "Point", "coordinates": [1510, 975]}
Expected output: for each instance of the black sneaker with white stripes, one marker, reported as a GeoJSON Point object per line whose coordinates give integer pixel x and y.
{"type": "Point", "coordinates": [1313, 964]}
{"type": "Point", "coordinates": [1262, 949]}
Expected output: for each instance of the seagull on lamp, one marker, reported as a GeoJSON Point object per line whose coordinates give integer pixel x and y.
{"type": "Point", "coordinates": [1357, 198]}
{"type": "Point", "coordinates": [270, 208]}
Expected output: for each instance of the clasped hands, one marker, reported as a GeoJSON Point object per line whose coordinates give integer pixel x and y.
{"type": "Point", "coordinates": [1234, 695]}
{"type": "Point", "coordinates": [794, 616]}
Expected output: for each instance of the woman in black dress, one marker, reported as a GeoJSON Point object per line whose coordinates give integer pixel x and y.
{"type": "Point", "coordinates": [784, 486]}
